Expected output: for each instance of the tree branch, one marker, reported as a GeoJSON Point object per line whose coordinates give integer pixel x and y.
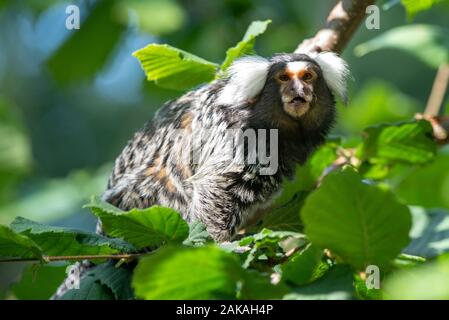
{"type": "Point", "coordinates": [341, 25]}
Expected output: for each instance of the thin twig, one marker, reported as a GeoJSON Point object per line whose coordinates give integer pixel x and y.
{"type": "Point", "coordinates": [126, 256]}
{"type": "Point", "coordinates": [439, 88]}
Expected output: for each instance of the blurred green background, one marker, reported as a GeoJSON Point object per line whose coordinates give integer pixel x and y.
{"type": "Point", "coordinates": [69, 100]}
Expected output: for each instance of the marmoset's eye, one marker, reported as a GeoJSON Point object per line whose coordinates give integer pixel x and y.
{"type": "Point", "coordinates": [284, 77]}
{"type": "Point", "coordinates": [307, 76]}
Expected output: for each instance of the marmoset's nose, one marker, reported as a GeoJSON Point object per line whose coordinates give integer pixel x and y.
{"type": "Point", "coordinates": [297, 90]}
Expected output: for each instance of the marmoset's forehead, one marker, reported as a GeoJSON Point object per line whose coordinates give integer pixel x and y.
{"type": "Point", "coordinates": [293, 63]}
{"type": "Point", "coordinates": [299, 67]}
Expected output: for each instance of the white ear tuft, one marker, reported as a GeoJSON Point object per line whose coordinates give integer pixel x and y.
{"type": "Point", "coordinates": [335, 72]}
{"type": "Point", "coordinates": [247, 78]}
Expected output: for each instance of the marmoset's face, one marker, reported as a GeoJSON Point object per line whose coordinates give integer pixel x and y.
{"type": "Point", "coordinates": [295, 90]}
{"type": "Point", "coordinates": [297, 82]}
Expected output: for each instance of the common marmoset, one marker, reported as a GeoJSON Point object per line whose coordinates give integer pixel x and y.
{"type": "Point", "coordinates": [184, 159]}
{"type": "Point", "coordinates": [290, 93]}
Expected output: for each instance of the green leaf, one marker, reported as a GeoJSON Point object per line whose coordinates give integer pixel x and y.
{"type": "Point", "coordinates": [427, 185]}
{"type": "Point", "coordinates": [118, 279]}
{"type": "Point", "coordinates": [198, 234]}
{"type": "Point", "coordinates": [89, 48]}
{"type": "Point", "coordinates": [334, 285]}
{"type": "Point", "coordinates": [55, 241]}
{"type": "Point", "coordinates": [267, 244]}
{"type": "Point", "coordinates": [13, 245]}
{"type": "Point", "coordinates": [187, 273]}
{"type": "Point", "coordinates": [104, 282]}
{"type": "Point", "coordinates": [302, 267]}
{"type": "Point", "coordinates": [142, 228]}
{"type": "Point", "coordinates": [428, 43]}
{"type": "Point", "coordinates": [286, 217]}
{"type": "Point", "coordinates": [413, 7]}
{"type": "Point", "coordinates": [374, 171]}
{"type": "Point", "coordinates": [39, 282]}
{"type": "Point", "coordinates": [246, 45]}
{"type": "Point", "coordinates": [174, 68]}
{"type": "Point", "coordinates": [407, 142]}
{"type": "Point", "coordinates": [430, 233]}
{"type": "Point", "coordinates": [426, 282]}
{"type": "Point", "coordinates": [257, 286]}
{"type": "Point", "coordinates": [266, 236]}
{"type": "Point", "coordinates": [362, 224]}
{"type": "Point", "coordinates": [90, 290]}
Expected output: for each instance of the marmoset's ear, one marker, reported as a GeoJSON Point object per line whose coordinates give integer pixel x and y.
{"type": "Point", "coordinates": [335, 72]}
{"type": "Point", "coordinates": [246, 79]}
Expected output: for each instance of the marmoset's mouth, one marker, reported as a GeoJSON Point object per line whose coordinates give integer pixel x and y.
{"type": "Point", "coordinates": [297, 107]}
{"type": "Point", "coordinates": [297, 100]}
